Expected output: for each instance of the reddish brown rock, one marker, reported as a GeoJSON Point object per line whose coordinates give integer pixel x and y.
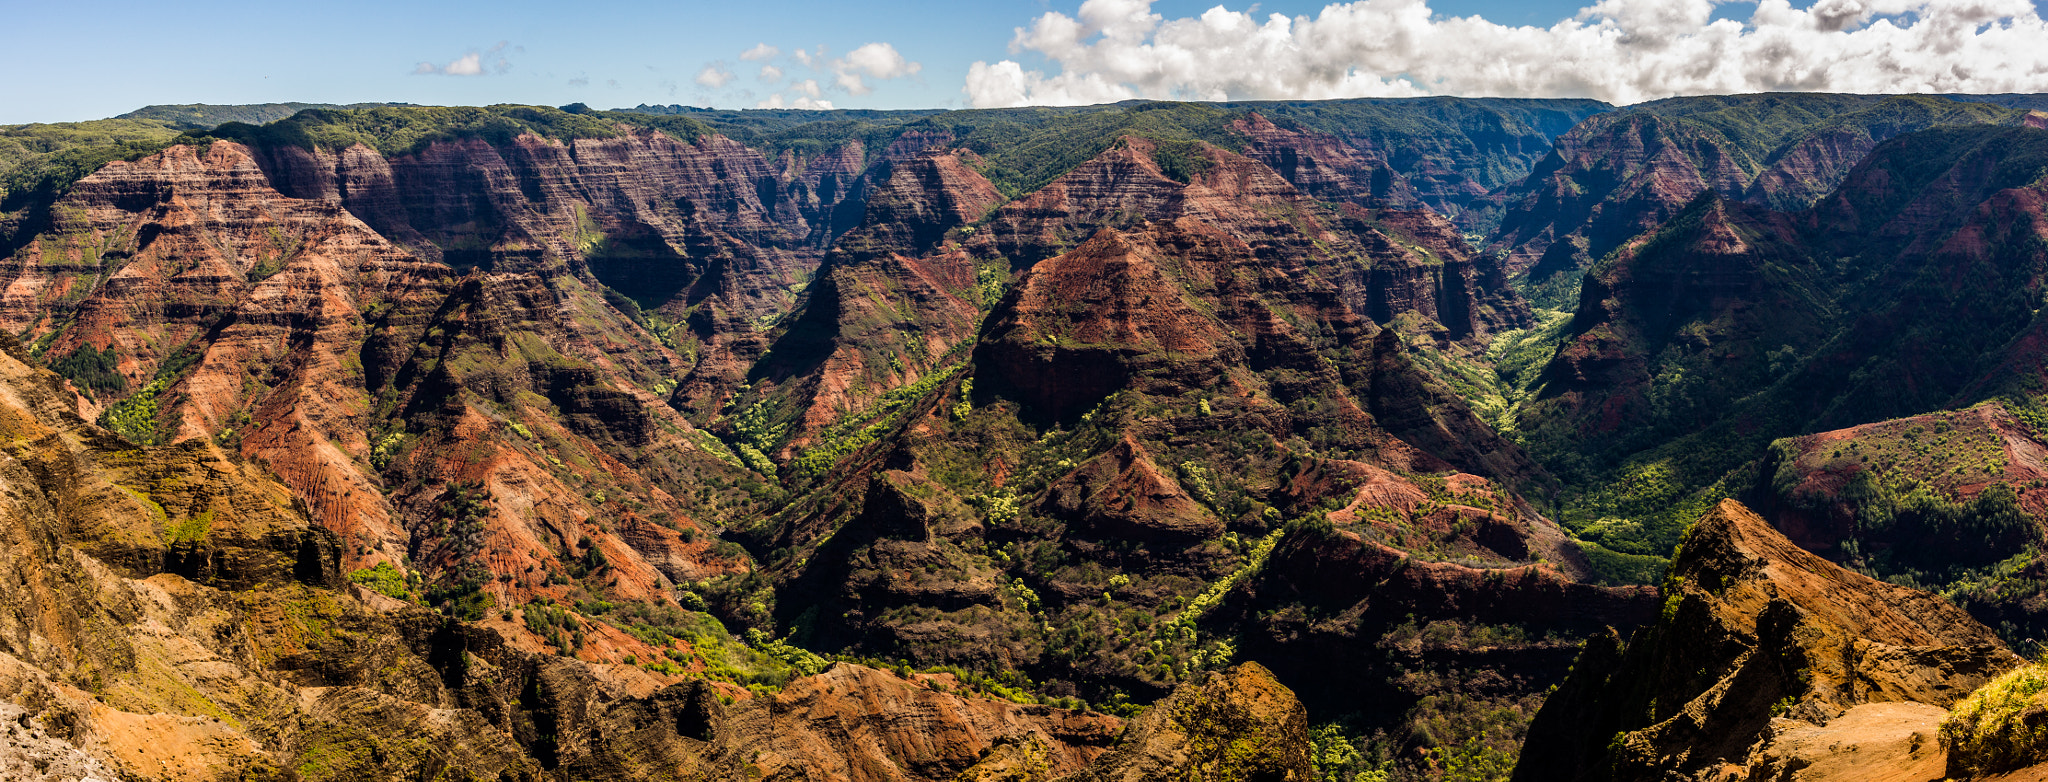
{"type": "Point", "coordinates": [896, 301]}
{"type": "Point", "coordinates": [859, 724]}
{"type": "Point", "coordinates": [1123, 495]}
{"type": "Point", "coordinates": [1613, 177]}
{"type": "Point", "coordinates": [359, 374]}
{"type": "Point", "coordinates": [1112, 314]}
{"type": "Point", "coordinates": [1325, 167]}
{"type": "Point", "coordinates": [1753, 629]}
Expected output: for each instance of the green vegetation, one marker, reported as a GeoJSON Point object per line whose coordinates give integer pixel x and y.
{"type": "Point", "coordinates": [858, 431]}
{"type": "Point", "coordinates": [200, 116]}
{"type": "Point", "coordinates": [398, 130]}
{"type": "Point", "coordinates": [93, 371]}
{"type": "Point", "coordinates": [385, 580]}
{"type": "Point", "coordinates": [1614, 568]}
{"type": "Point", "coordinates": [1997, 728]}
{"type": "Point", "coordinates": [42, 160]}
{"type": "Point", "coordinates": [135, 418]}
{"type": "Point", "coordinates": [1756, 129]}
{"type": "Point", "coordinates": [1336, 755]}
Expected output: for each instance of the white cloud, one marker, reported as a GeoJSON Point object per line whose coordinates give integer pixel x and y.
{"type": "Point", "coordinates": [770, 74]}
{"type": "Point", "coordinates": [808, 87]}
{"type": "Point", "coordinates": [807, 59]}
{"type": "Point", "coordinates": [878, 61]}
{"type": "Point", "coordinates": [714, 76]}
{"type": "Point", "coordinates": [776, 101]}
{"type": "Point", "coordinates": [472, 64]}
{"type": "Point", "coordinates": [1621, 51]}
{"type": "Point", "coordinates": [760, 53]}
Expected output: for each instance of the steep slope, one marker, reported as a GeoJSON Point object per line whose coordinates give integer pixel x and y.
{"type": "Point", "coordinates": [896, 300]}
{"type": "Point", "coordinates": [176, 616]}
{"type": "Point", "coordinates": [1147, 422]}
{"type": "Point", "coordinates": [1448, 152]}
{"type": "Point", "coordinates": [1910, 289]}
{"type": "Point", "coordinates": [1429, 623]}
{"type": "Point", "coordinates": [902, 295]}
{"type": "Point", "coordinates": [710, 238]}
{"type": "Point", "coordinates": [430, 419]}
{"type": "Point", "coordinates": [1767, 660]}
{"type": "Point", "coordinates": [1951, 501]}
{"type": "Point", "coordinates": [1620, 174]}
{"type": "Point", "coordinates": [1235, 724]}
{"type": "Point", "coordinates": [1383, 264]}
{"type": "Point", "coordinates": [1713, 306]}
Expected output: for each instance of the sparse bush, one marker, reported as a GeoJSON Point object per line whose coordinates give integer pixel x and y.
{"type": "Point", "coordinates": [2001, 726]}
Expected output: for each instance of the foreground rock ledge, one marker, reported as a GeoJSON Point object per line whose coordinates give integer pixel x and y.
{"type": "Point", "coordinates": [1768, 663]}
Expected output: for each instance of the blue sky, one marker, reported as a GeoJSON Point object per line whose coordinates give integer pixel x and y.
{"type": "Point", "coordinates": [96, 58]}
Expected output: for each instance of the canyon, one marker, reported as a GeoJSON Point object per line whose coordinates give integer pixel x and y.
{"type": "Point", "coordinates": [1242, 440]}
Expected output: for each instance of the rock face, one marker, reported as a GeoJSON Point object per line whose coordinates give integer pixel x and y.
{"type": "Point", "coordinates": [863, 725]}
{"type": "Point", "coordinates": [1617, 175]}
{"type": "Point", "coordinates": [430, 419]}
{"type": "Point", "coordinates": [896, 302]}
{"type": "Point", "coordinates": [1443, 152]}
{"type": "Point", "coordinates": [1954, 496]}
{"type": "Point", "coordinates": [1323, 166]}
{"type": "Point", "coordinates": [1140, 412]}
{"type": "Point", "coordinates": [1402, 261]}
{"type": "Point", "coordinates": [174, 615]}
{"type": "Point", "coordinates": [1901, 293]}
{"type": "Point", "coordinates": [1646, 168]}
{"type": "Point", "coordinates": [1710, 300]}
{"type": "Point", "coordinates": [1760, 646]}
{"type": "Point", "coordinates": [1426, 617]}
{"type": "Point", "coordinates": [710, 234]}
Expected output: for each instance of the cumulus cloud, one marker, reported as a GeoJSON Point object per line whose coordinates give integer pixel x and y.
{"type": "Point", "coordinates": [808, 59]}
{"type": "Point", "coordinates": [1620, 51]}
{"type": "Point", "coordinates": [770, 74]}
{"type": "Point", "coordinates": [760, 53]}
{"type": "Point", "coordinates": [714, 76]}
{"type": "Point", "coordinates": [471, 64]}
{"type": "Point", "coordinates": [776, 101]}
{"type": "Point", "coordinates": [879, 61]}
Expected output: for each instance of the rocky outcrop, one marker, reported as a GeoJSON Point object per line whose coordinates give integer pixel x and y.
{"type": "Point", "coordinates": [863, 725]}
{"type": "Point", "coordinates": [1109, 315]}
{"type": "Point", "coordinates": [716, 237]}
{"type": "Point", "coordinates": [1760, 645]}
{"type": "Point", "coordinates": [1123, 495]}
{"type": "Point", "coordinates": [174, 615]}
{"type": "Point", "coordinates": [1234, 724]}
{"type": "Point", "coordinates": [1496, 600]}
